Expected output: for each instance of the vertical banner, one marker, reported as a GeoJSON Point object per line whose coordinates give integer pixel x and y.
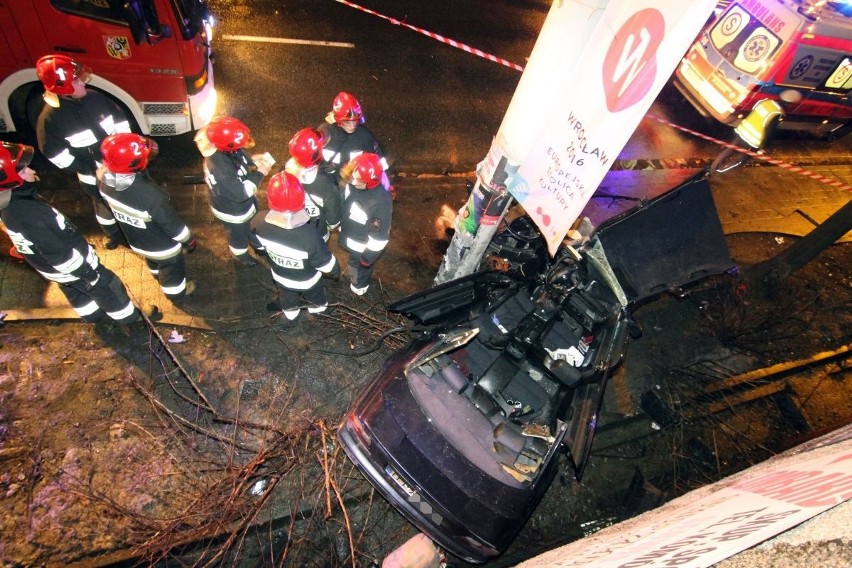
{"type": "Point", "coordinates": [548, 75]}
{"type": "Point", "coordinates": [606, 90]}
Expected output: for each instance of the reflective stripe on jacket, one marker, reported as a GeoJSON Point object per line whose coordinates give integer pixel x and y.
{"type": "Point", "coordinates": [148, 220]}
{"type": "Point", "coordinates": [754, 127]}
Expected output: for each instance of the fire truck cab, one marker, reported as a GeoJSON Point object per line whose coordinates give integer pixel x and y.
{"type": "Point", "coordinates": [153, 57]}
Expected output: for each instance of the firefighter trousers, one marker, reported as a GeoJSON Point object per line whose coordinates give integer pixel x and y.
{"type": "Point", "coordinates": [106, 297]}
{"type": "Point", "coordinates": [171, 274]}
{"type": "Point", "coordinates": [292, 301]}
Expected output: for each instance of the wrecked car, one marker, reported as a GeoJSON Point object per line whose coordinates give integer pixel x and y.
{"type": "Point", "coordinates": [464, 428]}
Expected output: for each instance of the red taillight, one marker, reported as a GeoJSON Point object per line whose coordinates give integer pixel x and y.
{"type": "Point", "coordinates": [358, 430]}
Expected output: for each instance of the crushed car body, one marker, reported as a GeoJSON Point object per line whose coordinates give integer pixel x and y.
{"type": "Point", "coordinates": [462, 430]}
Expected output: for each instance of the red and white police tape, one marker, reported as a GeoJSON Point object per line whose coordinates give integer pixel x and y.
{"type": "Point", "coordinates": [763, 157]}
{"type": "Point", "coordinates": [501, 61]}
{"type": "Point", "coordinates": [442, 39]}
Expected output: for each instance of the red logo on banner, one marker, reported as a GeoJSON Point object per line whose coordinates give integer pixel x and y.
{"type": "Point", "coordinates": [630, 65]}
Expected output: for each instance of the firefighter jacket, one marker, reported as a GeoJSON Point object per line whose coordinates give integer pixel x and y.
{"type": "Point", "coordinates": [322, 198]}
{"type": "Point", "coordinates": [295, 248]}
{"type": "Point", "coordinates": [340, 146]}
{"type": "Point", "coordinates": [232, 179]}
{"type": "Point", "coordinates": [47, 240]}
{"type": "Point", "coordinates": [70, 136]}
{"type": "Point", "coordinates": [366, 222]}
{"type": "Point", "coordinates": [150, 223]}
{"type": "Point", "coordinates": [760, 124]}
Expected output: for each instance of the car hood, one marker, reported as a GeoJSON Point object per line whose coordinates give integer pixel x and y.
{"type": "Point", "coordinates": [665, 243]}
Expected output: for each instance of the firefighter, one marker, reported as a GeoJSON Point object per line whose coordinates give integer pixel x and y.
{"type": "Point", "coordinates": [756, 130]}
{"type": "Point", "coordinates": [296, 251]}
{"type": "Point", "coordinates": [366, 219]}
{"type": "Point", "coordinates": [54, 248]}
{"type": "Point", "coordinates": [346, 136]}
{"type": "Point", "coordinates": [72, 126]}
{"type": "Point", "coordinates": [758, 127]}
{"type": "Point", "coordinates": [322, 197]}
{"type": "Point", "coordinates": [153, 229]}
{"type": "Point", "coordinates": [232, 178]}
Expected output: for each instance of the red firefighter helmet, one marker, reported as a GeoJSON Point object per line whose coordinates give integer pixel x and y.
{"type": "Point", "coordinates": [13, 159]}
{"type": "Point", "coordinates": [229, 134]}
{"type": "Point", "coordinates": [306, 147]}
{"type": "Point", "coordinates": [127, 152]}
{"type": "Point", "coordinates": [368, 170]}
{"type": "Point", "coordinates": [57, 73]}
{"type": "Point", "coordinates": [346, 107]}
{"type": "Point", "coordinates": [285, 193]}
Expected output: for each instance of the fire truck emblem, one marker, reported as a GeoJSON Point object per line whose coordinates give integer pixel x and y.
{"type": "Point", "coordinates": [118, 47]}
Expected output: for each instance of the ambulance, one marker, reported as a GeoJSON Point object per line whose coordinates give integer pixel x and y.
{"type": "Point", "coordinates": [757, 49]}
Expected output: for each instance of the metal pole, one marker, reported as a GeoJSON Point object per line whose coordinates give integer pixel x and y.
{"type": "Point", "coordinates": [476, 225]}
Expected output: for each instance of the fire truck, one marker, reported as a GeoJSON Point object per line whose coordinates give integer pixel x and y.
{"type": "Point", "coordinates": [153, 57]}
{"type": "Point", "coordinates": [757, 49]}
